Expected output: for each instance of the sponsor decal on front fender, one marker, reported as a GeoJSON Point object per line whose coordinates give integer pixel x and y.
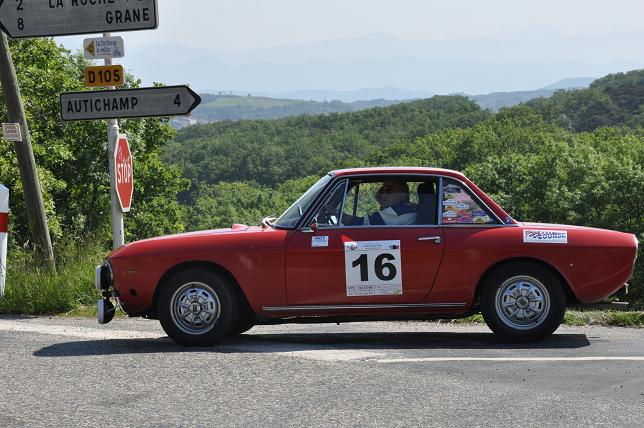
{"type": "Point", "coordinates": [545, 236]}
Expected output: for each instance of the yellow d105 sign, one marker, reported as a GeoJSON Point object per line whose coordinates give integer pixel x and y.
{"type": "Point", "coordinates": [105, 75]}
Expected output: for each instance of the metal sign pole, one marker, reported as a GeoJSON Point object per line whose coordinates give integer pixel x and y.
{"type": "Point", "coordinates": [118, 234]}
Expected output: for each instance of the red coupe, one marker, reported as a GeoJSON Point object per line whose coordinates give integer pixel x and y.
{"type": "Point", "coordinates": [369, 244]}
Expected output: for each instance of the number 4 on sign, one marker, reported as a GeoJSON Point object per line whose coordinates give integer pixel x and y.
{"type": "Point", "coordinates": [177, 100]}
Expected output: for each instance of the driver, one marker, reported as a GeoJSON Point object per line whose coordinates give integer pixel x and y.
{"type": "Point", "coordinates": [395, 208]}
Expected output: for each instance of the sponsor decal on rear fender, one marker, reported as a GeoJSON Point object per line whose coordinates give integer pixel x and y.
{"type": "Point", "coordinates": [545, 236]}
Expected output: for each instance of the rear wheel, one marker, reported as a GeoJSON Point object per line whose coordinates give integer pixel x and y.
{"type": "Point", "coordinates": [523, 302]}
{"type": "Point", "coordinates": [196, 307]}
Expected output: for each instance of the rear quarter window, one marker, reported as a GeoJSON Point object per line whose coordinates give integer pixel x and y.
{"type": "Point", "coordinates": [460, 207]}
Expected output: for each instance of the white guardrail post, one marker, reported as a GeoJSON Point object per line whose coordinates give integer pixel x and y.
{"type": "Point", "coordinates": [4, 226]}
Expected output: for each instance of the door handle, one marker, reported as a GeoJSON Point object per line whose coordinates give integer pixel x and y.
{"type": "Point", "coordinates": [436, 239]}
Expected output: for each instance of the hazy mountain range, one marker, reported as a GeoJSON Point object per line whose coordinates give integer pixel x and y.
{"type": "Point", "coordinates": [503, 62]}
{"type": "Point", "coordinates": [237, 106]}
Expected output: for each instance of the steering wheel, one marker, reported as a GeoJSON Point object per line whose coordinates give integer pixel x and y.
{"type": "Point", "coordinates": [326, 216]}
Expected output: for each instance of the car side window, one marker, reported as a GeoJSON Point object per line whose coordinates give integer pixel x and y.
{"type": "Point", "coordinates": [459, 207]}
{"type": "Point", "coordinates": [329, 212]}
{"type": "Point", "coordinates": [390, 201]}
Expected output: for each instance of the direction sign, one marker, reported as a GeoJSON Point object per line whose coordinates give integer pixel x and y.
{"type": "Point", "coordinates": [124, 176]}
{"type": "Point", "coordinates": [11, 131]}
{"type": "Point", "coordinates": [104, 47]}
{"type": "Point", "coordinates": [124, 103]}
{"type": "Point", "coordinates": [104, 75]}
{"type": "Point", "coordinates": [34, 18]}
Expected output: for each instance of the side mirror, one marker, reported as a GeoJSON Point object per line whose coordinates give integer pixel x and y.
{"type": "Point", "coordinates": [314, 227]}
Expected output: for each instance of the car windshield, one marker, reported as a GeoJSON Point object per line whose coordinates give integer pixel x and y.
{"type": "Point", "coordinates": [292, 215]}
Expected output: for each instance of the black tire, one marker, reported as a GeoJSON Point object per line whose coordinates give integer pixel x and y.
{"type": "Point", "coordinates": [515, 317]}
{"type": "Point", "coordinates": [246, 319]}
{"type": "Point", "coordinates": [242, 326]}
{"type": "Point", "coordinates": [197, 307]}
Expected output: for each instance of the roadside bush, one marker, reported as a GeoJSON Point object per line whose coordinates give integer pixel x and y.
{"type": "Point", "coordinates": [34, 291]}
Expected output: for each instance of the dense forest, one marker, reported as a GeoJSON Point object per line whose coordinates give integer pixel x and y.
{"type": "Point", "coordinates": [577, 157]}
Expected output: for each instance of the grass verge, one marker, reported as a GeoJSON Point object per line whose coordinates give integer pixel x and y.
{"type": "Point", "coordinates": [30, 290]}
{"type": "Point", "coordinates": [580, 318]}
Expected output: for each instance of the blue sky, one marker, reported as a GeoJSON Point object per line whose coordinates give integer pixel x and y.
{"type": "Point", "coordinates": [563, 38]}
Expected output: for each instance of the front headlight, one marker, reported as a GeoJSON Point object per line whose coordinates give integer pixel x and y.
{"type": "Point", "coordinates": [103, 277]}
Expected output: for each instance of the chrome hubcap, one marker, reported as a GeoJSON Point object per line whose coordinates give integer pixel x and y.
{"type": "Point", "coordinates": [195, 308]}
{"type": "Point", "coordinates": [522, 302]}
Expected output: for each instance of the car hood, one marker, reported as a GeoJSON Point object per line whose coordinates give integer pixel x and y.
{"type": "Point", "coordinates": [235, 228]}
{"type": "Point", "coordinates": [167, 240]}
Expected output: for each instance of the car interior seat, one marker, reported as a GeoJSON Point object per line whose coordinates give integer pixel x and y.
{"type": "Point", "coordinates": [426, 203]}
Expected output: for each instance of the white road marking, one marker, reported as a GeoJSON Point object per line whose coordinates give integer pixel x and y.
{"type": "Point", "coordinates": [319, 353]}
{"type": "Point", "coordinates": [506, 359]}
{"type": "Point", "coordinates": [335, 354]}
{"type": "Point", "coordinates": [71, 331]}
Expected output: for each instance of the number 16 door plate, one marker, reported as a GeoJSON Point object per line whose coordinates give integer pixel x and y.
{"type": "Point", "coordinates": [373, 268]}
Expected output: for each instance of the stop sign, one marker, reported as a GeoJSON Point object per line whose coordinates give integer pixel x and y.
{"type": "Point", "coordinates": [124, 178]}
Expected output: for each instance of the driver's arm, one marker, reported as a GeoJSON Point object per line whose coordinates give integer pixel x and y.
{"type": "Point", "coordinates": [350, 220]}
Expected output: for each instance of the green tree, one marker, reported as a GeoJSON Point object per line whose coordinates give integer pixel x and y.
{"type": "Point", "coordinates": [72, 157]}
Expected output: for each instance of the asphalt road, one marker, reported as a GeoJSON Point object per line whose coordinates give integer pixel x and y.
{"type": "Point", "coordinates": [70, 372]}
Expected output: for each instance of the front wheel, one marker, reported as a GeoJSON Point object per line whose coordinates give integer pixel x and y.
{"type": "Point", "coordinates": [523, 302]}
{"type": "Point", "coordinates": [196, 307]}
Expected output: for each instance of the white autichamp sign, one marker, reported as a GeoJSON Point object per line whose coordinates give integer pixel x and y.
{"type": "Point", "coordinates": [4, 223]}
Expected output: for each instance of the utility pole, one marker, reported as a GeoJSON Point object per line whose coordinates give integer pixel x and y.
{"type": "Point", "coordinates": [26, 162]}
{"type": "Point", "coordinates": [118, 234]}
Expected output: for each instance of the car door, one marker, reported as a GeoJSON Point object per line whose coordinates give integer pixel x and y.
{"type": "Point", "coordinates": [360, 264]}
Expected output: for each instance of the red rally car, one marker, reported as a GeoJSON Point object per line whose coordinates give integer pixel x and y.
{"type": "Point", "coordinates": [369, 244]}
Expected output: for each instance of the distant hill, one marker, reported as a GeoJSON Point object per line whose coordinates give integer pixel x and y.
{"type": "Point", "coordinates": [215, 108]}
{"type": "Point", "coordinates": [497, 100]}
{"type": "Point", "coordinates": [234, 106]}
{"type": "Point", "coordinates": [614, 100]}
{"type": "Point", "coordinates": [386, 93]}
{"type": "Point", "coordinates": [571, 83]}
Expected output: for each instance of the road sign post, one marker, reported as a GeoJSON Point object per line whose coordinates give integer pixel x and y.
{"type": "Point", "coordinates": [40, 18]}
{"type": "Point", "coordinates": [124, 173]}
{"type": "Point", "coordinates": [118, 230]}
{"type": "Point", "coordinates": [4, 228]}
{"type": "Point", "coordinates": [128, 103]}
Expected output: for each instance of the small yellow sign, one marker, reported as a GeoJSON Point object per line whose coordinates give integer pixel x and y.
{"type": "Point", "coordinates": [105, 75]}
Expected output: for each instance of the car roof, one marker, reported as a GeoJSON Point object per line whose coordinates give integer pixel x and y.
{"type": "Point", "coordinates": [397, 170]}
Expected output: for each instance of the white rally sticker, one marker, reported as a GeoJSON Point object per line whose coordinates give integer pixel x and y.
{"type": "Point", "coordinates": [319, 241]}
{"type": "Point", "coordinates": [546, 236]}
{"type": "Point", "coordinates": [373, 268]}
